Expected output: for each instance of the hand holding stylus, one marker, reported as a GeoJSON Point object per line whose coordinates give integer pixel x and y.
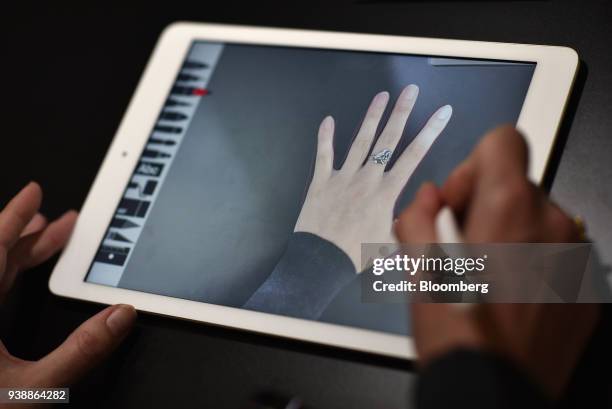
{"type": "Point", "coordinates": [491, 195]}
{"type": "Point", "coordinates": [26, 240]}
{"type": "Point", "coordinates": [354, 205]}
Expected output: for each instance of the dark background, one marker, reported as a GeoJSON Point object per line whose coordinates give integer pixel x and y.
{"type": "Point", "coordinates": [66, 78]}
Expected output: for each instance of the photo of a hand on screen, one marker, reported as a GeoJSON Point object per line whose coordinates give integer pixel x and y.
{"type": "Point", "coordinates": [347, 207]}
{"type": "Point", "coordinates": [354, 205]}
{"type": "Point", "coordinates": [287, 161]}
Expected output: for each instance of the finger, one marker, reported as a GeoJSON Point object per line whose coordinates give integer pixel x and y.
{"type": "Point", "coordinates": [36, 248]}
{"type": "Point", "coordinates": [416, 224]}
{"type": "Point", "coordinates": [457, 190]}
{"type": "Point", "coordinates": [18, 213]}
{"type": "Point", "coordinates": [560, 228]}
{"type": "Point", "coordinates": [501, 155]}
{"type": "Point", "coordinates": [415, 152]}
{"type": "Point", "coordinates": [86, 347]}
{"type": "Point", "coordinates": [324, 162]}
{"type": "Point", "coordinates": [363, 141]}
{"type": "Point", "coordinates": [37, 223]}
{"type": "Point", "coordinates": [500, 158]}
{"type": "Point", "coordinates": [394, 129]}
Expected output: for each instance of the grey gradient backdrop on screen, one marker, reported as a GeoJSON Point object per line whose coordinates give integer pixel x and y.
{"type": "Point", "coordinates": [234, 191]}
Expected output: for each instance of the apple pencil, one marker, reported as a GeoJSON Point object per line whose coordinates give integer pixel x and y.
{"type": "Point", "coordinates": [447, 231]}
{"type": "Point", "coordinates": [447, 228]}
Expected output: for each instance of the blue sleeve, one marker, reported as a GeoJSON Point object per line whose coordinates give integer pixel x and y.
{"type": "Point", "coordinates": [306, 279]}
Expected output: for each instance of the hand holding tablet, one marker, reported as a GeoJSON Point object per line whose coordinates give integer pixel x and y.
{"type": "Point", "coordinates": [27, 240]}
{"type": "Point", "coordinates": [498, 204]}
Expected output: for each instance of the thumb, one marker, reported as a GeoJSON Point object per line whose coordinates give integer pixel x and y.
{"type": "Point", "coordinates": [87, 346]}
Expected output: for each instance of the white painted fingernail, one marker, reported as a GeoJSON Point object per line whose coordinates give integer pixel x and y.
{"type": "Point", "coordinates": [328, 123]}
{"type": "Point", "coordinates": [411, 92]}
{"type": "Point", "coordinates": [380, 99]}
{"type": "Point", "coordinates": [445, 112]}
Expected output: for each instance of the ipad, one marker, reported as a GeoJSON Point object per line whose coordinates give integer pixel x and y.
{"type": "Point", "coordinates": [199, 207]}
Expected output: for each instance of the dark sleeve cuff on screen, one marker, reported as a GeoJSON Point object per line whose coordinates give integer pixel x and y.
{"type": "Point", "coordinates": [306, 279]}
{"type": "Point", "coordinates": [472, 379]}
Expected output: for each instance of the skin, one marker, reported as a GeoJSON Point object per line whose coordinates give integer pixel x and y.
{"type": "Point", "coordinates": [354, 204]}
{"type": "Point", "coordinates": [495, 201]}
{"type": "Point", "coordinates": [26, 240]}
{"type": "Point", "coordinates": [489, 192]}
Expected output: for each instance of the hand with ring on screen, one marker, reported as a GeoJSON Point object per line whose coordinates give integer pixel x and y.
{"type": "Point", "coordinates": [354, 205]}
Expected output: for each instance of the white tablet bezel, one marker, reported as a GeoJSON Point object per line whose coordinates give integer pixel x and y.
{"type": "Point", "coordinates": [539, 121]}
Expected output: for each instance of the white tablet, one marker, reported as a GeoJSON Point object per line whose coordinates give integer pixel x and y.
{"type": "Point", "coordinates": [193, 213]}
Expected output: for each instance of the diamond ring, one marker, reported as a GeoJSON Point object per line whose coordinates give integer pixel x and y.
{"type": "Point", "coordinates": [382, 157]}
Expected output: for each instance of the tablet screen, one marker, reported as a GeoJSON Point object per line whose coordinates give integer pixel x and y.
{"type": "Point", "coordinates": [210, 211]}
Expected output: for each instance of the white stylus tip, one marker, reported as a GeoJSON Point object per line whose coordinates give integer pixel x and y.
{"type": "Point", "coordinates": [447, 228]}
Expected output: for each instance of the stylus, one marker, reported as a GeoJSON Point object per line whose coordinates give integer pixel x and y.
{"type": "Point", "coordinates": [447, 229]}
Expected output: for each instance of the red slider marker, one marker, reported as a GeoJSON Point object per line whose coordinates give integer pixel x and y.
{"type": "Point", "coordinates": [200, 92]}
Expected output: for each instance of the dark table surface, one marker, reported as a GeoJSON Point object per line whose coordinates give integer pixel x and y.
{"type": "Point", "coordinates": [67, 76]}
